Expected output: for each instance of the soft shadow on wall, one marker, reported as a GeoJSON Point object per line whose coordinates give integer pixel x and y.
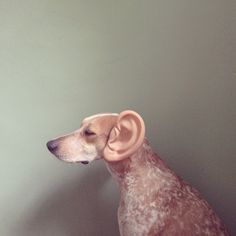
{"type": "Point", "coordinates": [77, 207]}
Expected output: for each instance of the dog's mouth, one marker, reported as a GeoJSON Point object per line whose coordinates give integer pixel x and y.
{"type": "Point", "coordinates": [62, 158]}
{"type": "Point", "coordinates": [84, 162]}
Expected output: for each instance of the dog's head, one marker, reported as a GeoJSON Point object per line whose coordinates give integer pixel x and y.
{"type": "Point", "coordinates": [110, 136]}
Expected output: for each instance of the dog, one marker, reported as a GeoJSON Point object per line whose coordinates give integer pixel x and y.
{"type": "Point", "coordinates": [154, 201]}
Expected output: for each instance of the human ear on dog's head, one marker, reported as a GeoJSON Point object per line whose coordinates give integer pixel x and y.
{"type": "Point", "coordinates": [125, 137]}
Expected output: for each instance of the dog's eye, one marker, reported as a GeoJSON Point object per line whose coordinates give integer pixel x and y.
{"type": "Point", "coordinates": [88, 132]}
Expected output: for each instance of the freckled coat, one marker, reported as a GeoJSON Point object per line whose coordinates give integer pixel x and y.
{"type": "Point", "coordinates": [154, 201]}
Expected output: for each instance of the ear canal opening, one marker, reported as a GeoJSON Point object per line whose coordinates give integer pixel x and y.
{"type": "Point", "coordinates": [125, 137]}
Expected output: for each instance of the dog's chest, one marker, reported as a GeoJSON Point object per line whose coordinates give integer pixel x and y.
{"type": "Point", "coordinates": [144, 204]}
{"type": "Point", "coordinates": [173, 209]}
{"type": "Point", "coordinates": [136, 217]}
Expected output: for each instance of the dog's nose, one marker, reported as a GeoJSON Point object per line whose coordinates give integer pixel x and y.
{"type": "Point", "coordinates": [52, 145]}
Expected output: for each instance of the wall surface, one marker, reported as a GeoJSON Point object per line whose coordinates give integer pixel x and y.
{"type": "Point", "coordinates": [172, 61]}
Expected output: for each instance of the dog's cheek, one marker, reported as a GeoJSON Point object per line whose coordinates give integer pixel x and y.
{"type": "Point", "coordinates": [100, 144]}
{"type": "Point", "coordinates": [87, 153]}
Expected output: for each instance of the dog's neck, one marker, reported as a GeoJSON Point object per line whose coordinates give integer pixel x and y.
{"type": "Point", "coordinates": [143, 162]}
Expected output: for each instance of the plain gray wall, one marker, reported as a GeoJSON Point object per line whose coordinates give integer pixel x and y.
{"type": "Point", "coordinates": [172, 61]}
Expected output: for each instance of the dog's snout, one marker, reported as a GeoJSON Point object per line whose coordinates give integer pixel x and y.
{"type": "Point", "coordinates": [52, 145]}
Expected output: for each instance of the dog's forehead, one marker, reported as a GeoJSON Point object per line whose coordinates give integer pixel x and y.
{"type": "Point", "coordinates": [97, 116]}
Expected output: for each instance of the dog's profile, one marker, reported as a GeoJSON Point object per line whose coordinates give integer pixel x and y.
{"type": "Point", "coordinates": [153, 199]}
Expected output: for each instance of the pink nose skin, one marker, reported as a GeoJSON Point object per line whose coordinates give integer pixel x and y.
{"type": "Point", "coordinates": [52, 145]}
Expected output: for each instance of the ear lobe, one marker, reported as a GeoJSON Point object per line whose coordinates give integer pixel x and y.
{"type": "Point", "coordinates": [125, 137]}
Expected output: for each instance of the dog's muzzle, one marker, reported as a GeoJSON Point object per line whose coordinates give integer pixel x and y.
{"type": "Point", "coordinates": [53, 148]}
